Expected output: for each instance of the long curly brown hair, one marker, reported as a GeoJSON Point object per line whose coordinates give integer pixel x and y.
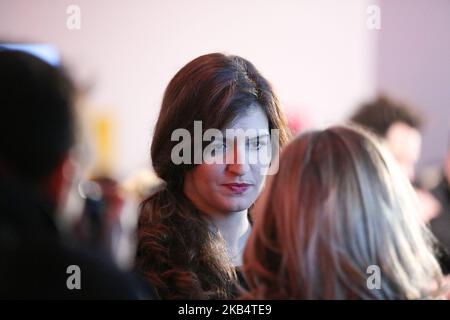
{"type": "Point", "coordinates": [178, 253]}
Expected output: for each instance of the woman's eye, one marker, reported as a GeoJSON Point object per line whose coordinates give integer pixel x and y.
{"type": "Point", "coordinates": [256, 144]}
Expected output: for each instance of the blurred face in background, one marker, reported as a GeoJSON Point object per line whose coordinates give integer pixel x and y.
{"type": "Point", "coordinates": [223, 188]}
{"type": "Point", "coordinates": [405, 144]}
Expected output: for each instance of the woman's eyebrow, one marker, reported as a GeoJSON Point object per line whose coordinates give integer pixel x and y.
{"type": "Point", "coordinates": [227, 138]}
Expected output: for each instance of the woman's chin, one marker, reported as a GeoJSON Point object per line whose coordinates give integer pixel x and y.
{"type": "Point", "coordinates": [236, 206]}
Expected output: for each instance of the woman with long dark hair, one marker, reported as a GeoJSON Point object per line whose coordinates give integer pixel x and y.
{"type": "Point", "coordinates": [193, 231]}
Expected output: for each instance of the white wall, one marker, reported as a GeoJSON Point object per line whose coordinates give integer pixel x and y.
{"type": "Point", "coordinates": [318, 54]}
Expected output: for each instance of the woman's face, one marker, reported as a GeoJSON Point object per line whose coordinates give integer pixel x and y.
{"type": "Point", "coordinates": [234, 184]}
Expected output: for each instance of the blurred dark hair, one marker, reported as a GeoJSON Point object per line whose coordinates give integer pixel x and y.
{"type": "Point", "coordinates": [37, 121]}
{"type": "Point", "coordinates": [177, 252]}
{"type": "Point", "coordinates": [384, 111]}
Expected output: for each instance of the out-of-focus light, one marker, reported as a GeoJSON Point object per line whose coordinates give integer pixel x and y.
{"type": "Point", "coordinates": [45, 52]}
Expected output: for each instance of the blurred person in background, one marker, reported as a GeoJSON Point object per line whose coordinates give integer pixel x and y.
{"type": "Point", "coordinates": [331, 225]}
{"type": "Point", "coordinates": [101, 223]}
{"type": "Point", "coordinates": [399, 125]}
{"type": "Point", "coordinates": [37, 136]}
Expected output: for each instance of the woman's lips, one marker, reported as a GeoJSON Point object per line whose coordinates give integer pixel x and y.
{"type": "Point", "coordinates": [237, 187]}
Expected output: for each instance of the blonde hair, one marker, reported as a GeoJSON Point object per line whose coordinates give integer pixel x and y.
{"type": "Point", "coordinates": [337, 206]}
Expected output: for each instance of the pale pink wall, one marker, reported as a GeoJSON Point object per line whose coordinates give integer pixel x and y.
{"type": "Point", "coordinates": [318, 53]}
{"type": "Point", "coordinates": [414, 63]}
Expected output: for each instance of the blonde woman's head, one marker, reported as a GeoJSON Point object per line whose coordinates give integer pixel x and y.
{"type": "Point", "coordinates": [337, 212]}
